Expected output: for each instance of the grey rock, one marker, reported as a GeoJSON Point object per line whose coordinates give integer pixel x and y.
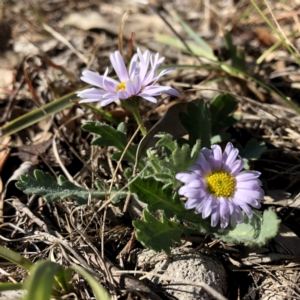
{"type": "Point", "coordinates": [183, 272]}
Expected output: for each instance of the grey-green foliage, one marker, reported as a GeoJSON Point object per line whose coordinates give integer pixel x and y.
{"type": "Point", "coordinates": [158, 198]}
{"type": "Point", "coordinates": [254, 232]}
{"type": "Point", "coordinates": [45, 185]}
{"type": "Point", "coordinates": [170, 159]}
{"type": "Point", "coordinates": [157, 235]}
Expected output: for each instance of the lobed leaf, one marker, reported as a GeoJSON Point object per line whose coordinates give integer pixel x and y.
{"type": "Point", "coordinates": [151, 192]}
{"type": "Point", "coordinates": [166, 140]}
{"type": "Point", "coordinates": [183, 157]}
{"type": "Point", "coordinates": [155, 234]}
{"type": "Point", "coordinates": [108, 136]}
{"type": "Point", "coordinates": [43, 184]}
{"type": "Point", "coordinates": [254, 232]}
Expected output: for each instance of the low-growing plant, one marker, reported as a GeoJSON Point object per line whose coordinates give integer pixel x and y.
{"type": "Point", "coordinates": [191, 183]}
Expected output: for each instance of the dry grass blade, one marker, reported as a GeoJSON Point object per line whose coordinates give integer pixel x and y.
{"type": "Point", "coordinates": [52, 42]}
{"type": "Point", "coordinates": [62, 39]}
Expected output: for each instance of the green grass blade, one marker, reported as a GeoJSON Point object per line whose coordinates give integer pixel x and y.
{"type": "Point", "coordinates": [37, 115]}
{"type": "Point", "coordinates": [107, 116]}
{"type": "Point", "coordinates": [15, 258]}
{"type": "Point", "coordinates": [171, 41]}
{"type": "Point", "coordinates": [281, 37]}
{"type": "Point", "coordinates": [205, 46]}
{"type": "Point", "coordinates": [175, 42]}
{"type": "Point", "coordinates": [39, 284]}
{"type": "Point", "coordinates": [272, 48]}
{"type": "Point", "coordinates": [10, 286]}
{"type": "Point", "coordinates": [47, 110]}
{"type": "Point", "coordinates": [98, 289]}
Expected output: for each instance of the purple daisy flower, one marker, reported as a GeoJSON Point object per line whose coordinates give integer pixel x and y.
{"type": "Point", "coordinates": [217, 186]}
{"type": "Point", "coordinates": [140, 80]}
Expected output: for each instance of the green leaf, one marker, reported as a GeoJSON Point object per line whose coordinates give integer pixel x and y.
{"type": "Point", "coordinates": [38, 114]}
{"type": "Point", "coordinates": [155, 234]}
{"type": "Point", "coordinates": [11, 286]}
{"type": "Point", "coordinates": [63, 279]}
{"type": "Point", "coordinates": [197, 123]}
{"type": "Point", "coordinates": [254, 232]}
{"type": "Point", "coordinates": [164, 165]}
{"type": "Point", "coordinates": [39, 284]}
{"type": "Point", "coordinates": [15, 258]}
{"type": "Point", "coordinates": [166, 140]}
{"type": "Point", "coordinates": [177, 43]}
{"type": "Point", "coordinates": [108, 136]}
{"type": "Point", "coordinates": [220, 109]}
{"type": "Point", "coordinates": [43, 184]}
{"type": "Point", "coordinates": [99, 291]}
{"type": "Point", "coordinates": [253, 149]}
{"type": "Point", "coordinates": [237, 55]}
{"type": "Point", "coordinates": [149, 191]}
{"type": "Point", "coordinates": [183, 157]}
{"type": "Point", "coordinates": [203, 45]}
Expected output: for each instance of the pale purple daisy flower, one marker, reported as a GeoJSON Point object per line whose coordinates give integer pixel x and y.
{"type": "Point", "coordinates": [140, 80]}
{"type": "Point", "coordinates": [216, 186]}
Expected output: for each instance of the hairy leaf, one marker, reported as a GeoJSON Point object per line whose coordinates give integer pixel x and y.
{"type": "Point", "coordinates": [166, 140]}
{"type": "Point", "coordinates": [155, 234]}
{"type": "Point", "coordinates": [108, 136]}
{"type": "Point", "coordinates": [183, 157]}
{"type": "Point", "coordinates": [43, 184]}
{"type": "Point", "coordinates": [149, 191]}
{"type": "Point", "coordinates": [166, 163]}
{"type": "Point", "coordinates": [254, 232]}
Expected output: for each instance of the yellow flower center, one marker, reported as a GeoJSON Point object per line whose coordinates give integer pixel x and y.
{"type": "Point", "coordinates": [221, 184]}
{"type": "Point", "coordinates": [121, 86]}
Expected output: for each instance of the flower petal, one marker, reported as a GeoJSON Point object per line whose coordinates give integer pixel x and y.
{"type": "Point", "coordinates": [119, 65]}
{"type": "Point", "coordinates": [149, 98]}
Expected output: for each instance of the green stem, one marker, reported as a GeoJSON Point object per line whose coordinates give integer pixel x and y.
{"type": "Point", "coordinates": [139, 120]}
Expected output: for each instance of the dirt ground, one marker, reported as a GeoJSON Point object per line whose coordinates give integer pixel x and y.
{"type": "Point", "coordinates": [44, 47]}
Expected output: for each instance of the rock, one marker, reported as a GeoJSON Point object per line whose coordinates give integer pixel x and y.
{"type": "Point", "coordinates": [183, 272]}
{"type": "Point", "coordinates": [12, 295]}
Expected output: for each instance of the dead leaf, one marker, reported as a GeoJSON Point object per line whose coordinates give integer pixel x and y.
{"type": "Point", "coordinates": [25, 168]}
{"type": "Point", "coordinates": [285, 240]}
{"type": "Point", "coordinates": [4, 150]}
{"type": "Point", "coordinates": [281, 198]}
{"type": "Point", "coordinates": [90, 20]}
{"type": "Point", "coordinates": [32, 152]}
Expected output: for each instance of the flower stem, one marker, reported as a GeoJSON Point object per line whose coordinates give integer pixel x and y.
{"type": "Point", "coordinates": [139, 120]}
{"type": "Point", "coordinates": [133, 103]}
